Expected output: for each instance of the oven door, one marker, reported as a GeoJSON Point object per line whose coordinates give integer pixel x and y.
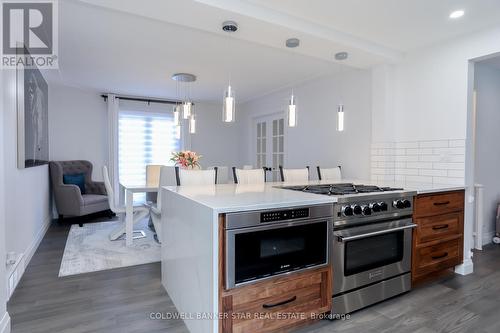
{"type": "Point", "coordinates": [370, 253]}
{"type": "Point", "coordinates": [256, 253]}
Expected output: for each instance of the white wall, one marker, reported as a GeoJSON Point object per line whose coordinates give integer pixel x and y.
{"type": "Point", "coordinates": [4, 317]}
{"type": "Point", "coordinates": [315, 140]}
{"type": "Point", "coordinates": [218, 142]}
{"type": "Point", "coordinates": [430, 99]}
{"type": "Point", "coordinates": [77, 126]}
{"type": "Point", "coordinates": [487, 166]}
{"type": "Point", "coordinates": [78, 129]}
{"type": "Point", "coordinates": [26, 191]}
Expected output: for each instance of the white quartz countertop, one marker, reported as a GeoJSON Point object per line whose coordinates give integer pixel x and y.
{"type": "Point", "coordinates": [226, 198]}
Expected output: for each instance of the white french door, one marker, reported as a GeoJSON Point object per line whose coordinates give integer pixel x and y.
{"type": "Point", "coordinates": [270, 144]}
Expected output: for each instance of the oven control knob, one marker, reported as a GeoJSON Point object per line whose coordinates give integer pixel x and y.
{"type": "Point", "coordinates": [367, 210]}
{"type": "Point", "coordinates": [357, 209]}
{"type": "Point", "coordinates": [407, 203]}
{"type": "Point", "coordinates": [375, 207]}
{"type": "Point", "coordinates": [399, 204]}
{"type": "Point", "coordinates": [347, 211]}
{"type": "Point", "coordinates": [383, 206]}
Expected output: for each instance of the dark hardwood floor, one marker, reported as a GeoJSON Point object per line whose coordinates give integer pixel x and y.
{"type": "Point", "coordinates": [121, 300]}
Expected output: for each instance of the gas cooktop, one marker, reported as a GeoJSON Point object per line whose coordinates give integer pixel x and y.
{"type": "Point", "coordinates": [340, 189]}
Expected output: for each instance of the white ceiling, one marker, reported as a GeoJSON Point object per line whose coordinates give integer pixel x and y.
{"type": "Point", "coordinates": [132, 47]}
{"type": "Point", "coordinates": [112, 51]}
{"type": "Point", "coordinates": [399, 24]}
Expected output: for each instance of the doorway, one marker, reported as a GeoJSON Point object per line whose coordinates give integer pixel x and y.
{"type": "Point", "coordinates": [270, 144]}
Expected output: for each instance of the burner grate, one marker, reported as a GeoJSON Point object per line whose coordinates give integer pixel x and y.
{"type": "Point", "coordinates": [340, 189]}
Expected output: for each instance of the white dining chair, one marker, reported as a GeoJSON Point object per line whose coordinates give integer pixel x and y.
{"type": "Point", "coordinates": [140, 212]}
{"type": "Point", "coordinates": [333, 174]}
{"type": "Point", "coordinates": [294, 175]}
{"type": "Point", "coordinates": [249, 176]}
{"type": "Point", "coordinates": [152, 179]}
{"type": "Point", "coordinates": [167, 178]}
{"type": "Point", "coordinates": [222, 173]}
{"type": "Point", "coordinates": [195, 177]}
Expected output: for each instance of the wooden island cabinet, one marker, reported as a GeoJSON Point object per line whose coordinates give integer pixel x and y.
{"type": "Point", "coordinates": [439, 236]}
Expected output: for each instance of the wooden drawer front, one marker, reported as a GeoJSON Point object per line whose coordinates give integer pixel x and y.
{"type": "Point", "coordinates": [277, 304]}
{"type": "Point", "coordinates": [433, 258]}
{"type": "Point", "coordinates": [438, 227]}
{"type": "Point", "coordinates": [428, 205]}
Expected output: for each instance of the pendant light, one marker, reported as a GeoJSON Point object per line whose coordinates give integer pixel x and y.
{"type": "Point", "coordinates": [340, 117]}
{"type": "Point", "coordinates": [292, 106]}
{"type": "Point", "coordinates": [292, 112]}
{"type": "Point", "coordinates": [177, 115]}
{"type": "Point", "coordinates": [228, 108]}
{"type": "Point", "coordinates": [229, 102]}
{"type": "Point", "coordinates": [192, 124]}
{"type": "Point", "coordinates": [187, 108]}
{"type": "Point", "coordinates": [186, 79]}
{"type": "Point", "coordinates": [340, 56]}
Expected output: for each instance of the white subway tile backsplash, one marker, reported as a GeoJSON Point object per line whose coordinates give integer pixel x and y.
{"type": "Point", "coordinates": [407, 158]}
{"type": "Point", "coordinates": [419, 179]}
{"type": "Point", "coordinates": [448, 166]}
{"type": "Point", "coordinates": [429, 158]}
{"type": "Point", "coordinates": [456, 173]}
{"type": "Point", "coordinates": [450, 151]}
{"type": "Point", "coordinates": [431, 172]}
{"type": "Point", "coordinates": [419, 165]}
{"type": "Point", "coordinates": [413, 172]}
{"type": "Point", "coordinates": [433, 144]}
{"type": "Point", "coordinates": [436, 161]}
{"type": "Point", "coordinates": [406, 145]}
{"type": "Point", "coordinates": [457, 143]}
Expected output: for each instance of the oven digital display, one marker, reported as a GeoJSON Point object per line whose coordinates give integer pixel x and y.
{"type": "Point", "coordinates": [282, 215]}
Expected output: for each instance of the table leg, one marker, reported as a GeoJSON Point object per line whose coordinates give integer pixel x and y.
{"type": "Point", "coordinates": [129, 217]}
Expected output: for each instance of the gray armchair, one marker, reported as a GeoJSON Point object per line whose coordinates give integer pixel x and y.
{"type": "Point", "coordinates": [69, 199]}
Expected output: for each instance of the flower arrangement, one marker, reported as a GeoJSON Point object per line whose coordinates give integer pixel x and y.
{"type": "Point", "coordinates": [186, 159]}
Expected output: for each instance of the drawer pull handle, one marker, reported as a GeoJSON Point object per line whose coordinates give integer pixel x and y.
{"type": "Point", "coordinates": [441, 226]}
{"type": "Point", "coordinates": [441, 256]}
{"type": "Point", "coordinates": [268, 306]}
{"type": "Point", "coordinates": [441, 203]}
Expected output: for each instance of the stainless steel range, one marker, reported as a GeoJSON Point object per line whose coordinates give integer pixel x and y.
{"type": "Point", "coordinates": [371, 243]}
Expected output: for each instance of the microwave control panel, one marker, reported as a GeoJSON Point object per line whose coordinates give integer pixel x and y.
{"type": "Point", "coordinates": [282, 215]}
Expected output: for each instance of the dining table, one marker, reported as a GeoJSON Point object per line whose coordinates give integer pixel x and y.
{"type": "Point", "coordinates": [126, 197]}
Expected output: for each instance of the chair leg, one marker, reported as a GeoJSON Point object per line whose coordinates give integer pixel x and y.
{"type": "Point", "coordinates": [80, 225]}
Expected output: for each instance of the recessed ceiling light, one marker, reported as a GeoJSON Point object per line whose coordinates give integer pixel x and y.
{"type": "Point", "coordinates": [341, 55]}
{"type": "Point", "coordinates": [457, 14]}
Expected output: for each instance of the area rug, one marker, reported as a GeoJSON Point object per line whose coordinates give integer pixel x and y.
{"type": "Point", "coordinates": [88, 249]}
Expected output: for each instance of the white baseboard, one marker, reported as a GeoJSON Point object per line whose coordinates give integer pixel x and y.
{"type": "Point", "coordinates": [15, 276]}
{"type": "Point", "coordinates": [466, 268]}
{"type": "Point", "coordinates": [30, 251]}
{"type": "Point", "coordinates": [5, 323]}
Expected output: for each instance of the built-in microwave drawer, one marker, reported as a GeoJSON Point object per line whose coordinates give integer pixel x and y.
{"type": "Point", "coordinates": [437, 257]}
{"type": "Point", "coordinates": [435, 204]}
{"type": "Point", "coordinates": [438, 227]}
{"type": "Point", "coordinates": [277, 304]}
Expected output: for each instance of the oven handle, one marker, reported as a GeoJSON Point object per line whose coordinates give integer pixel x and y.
{"type": "Point", "coordinates": [375, 233]}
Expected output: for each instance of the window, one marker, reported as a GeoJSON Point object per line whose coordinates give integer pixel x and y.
{"type": "Point", "coordinates": [144, 138]}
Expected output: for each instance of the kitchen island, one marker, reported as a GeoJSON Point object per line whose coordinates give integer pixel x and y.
{"type": "Point", "coordinates": [192, 260]}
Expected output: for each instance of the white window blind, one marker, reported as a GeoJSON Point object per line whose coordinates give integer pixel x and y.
{"type": "Point", "coordinates": [144, 138]}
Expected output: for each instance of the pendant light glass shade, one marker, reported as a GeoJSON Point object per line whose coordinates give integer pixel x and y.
{"type": "Point", "coordinates": [192, 124]}
{"type": "Point", "coordinates": [340, 117]}
{"type": "Point", "coordinates": [177, 115]}
{"type": "Point", "coordinates": [178, 132]}
{"type": "Point", "coordinates": [187, 109]}
{"type": "Point", "coordinates": [228, 108]}
{"type": "Point", "coordinates": [292, 112]}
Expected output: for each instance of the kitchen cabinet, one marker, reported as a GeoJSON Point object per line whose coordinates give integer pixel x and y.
{"type": "Point", "coordinates": [439, 236]}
